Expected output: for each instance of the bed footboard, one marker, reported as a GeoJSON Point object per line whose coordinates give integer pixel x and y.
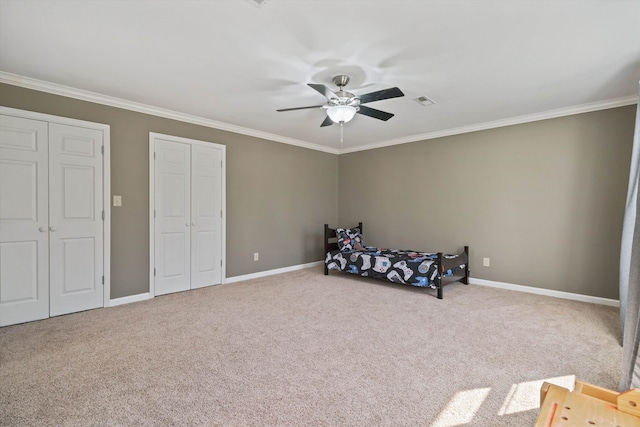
{"type": "Point", "coordinates": [445, 264]}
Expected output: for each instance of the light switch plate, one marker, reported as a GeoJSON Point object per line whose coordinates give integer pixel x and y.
{"type": "Point", "coordinates": [117, 200]}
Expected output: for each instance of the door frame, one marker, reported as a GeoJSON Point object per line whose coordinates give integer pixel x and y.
{"type": "Point", "coordinates": [223, 225]}
{"type": "Point", "coordinates": [106, 180]}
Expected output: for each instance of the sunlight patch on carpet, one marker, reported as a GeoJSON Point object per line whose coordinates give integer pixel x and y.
{"type": "Point", "coordinates": [525, 396]}
{"type": "Point", "coordinates": [462, 407]}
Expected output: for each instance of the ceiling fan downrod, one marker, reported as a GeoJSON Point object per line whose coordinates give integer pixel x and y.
{"type": "Point", "coordinates": [341, 80]}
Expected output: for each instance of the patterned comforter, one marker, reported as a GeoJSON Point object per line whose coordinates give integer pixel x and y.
{"type": "Point", "coordinates": [400, 266]}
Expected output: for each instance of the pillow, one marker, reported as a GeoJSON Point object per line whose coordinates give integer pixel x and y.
{"type": "Point", "coordinates": [349, 239]}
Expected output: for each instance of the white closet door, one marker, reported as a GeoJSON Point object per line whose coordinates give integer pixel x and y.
{"type": "Point", "coordinates": [173, 219]}
{"type": "Point", "coordinates": [206, 216]}
{"type": "Point", "coordinates": [75, 219]}
{"type": "Point", "coordinates": [24, 260]}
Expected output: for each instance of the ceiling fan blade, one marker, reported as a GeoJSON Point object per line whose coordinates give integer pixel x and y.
{"type": "Point", "coordinates": [393, 92]}
{"type": "Point", "coordinates": [327, 122]}
{"type": "Point", "coordinates": [376, 114]}
{"type": "Point", "coordinates": [328, 93]}
{"type": "Point", "coordinates": [301, 108]}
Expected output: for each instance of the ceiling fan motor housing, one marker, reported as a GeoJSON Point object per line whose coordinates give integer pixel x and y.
{"type": "Point", "coordinates": [345, 98]}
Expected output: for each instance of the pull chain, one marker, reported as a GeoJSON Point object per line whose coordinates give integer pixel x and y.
{"type": "Point", "coordinates": [341, 135]}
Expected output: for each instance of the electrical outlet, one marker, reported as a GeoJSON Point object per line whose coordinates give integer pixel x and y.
{"type": "Point", "coordinates": [486, 262]}
{"type": "Point", "coordinates": [256, 256]}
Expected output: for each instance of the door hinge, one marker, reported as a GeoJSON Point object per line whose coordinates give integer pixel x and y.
{"type": "Point", "coordinates": [154, 155]}
{"type": "Point", "coordinates": [102, 150]}
{"type": "Point", "coordinates": [103, 215]}
{"type": "Point", "coordinates": [103, 280]}
{"type": "Point", "coordinates": [220, 214]}
{"type": "Point", "coordinates": [154, 213]}
{"type": "Point", "coordinates": [154, 271]}
{"type": "Point", "coordinates": [220, 163]}
{"type": "Point", "coordinates": [220, 263]}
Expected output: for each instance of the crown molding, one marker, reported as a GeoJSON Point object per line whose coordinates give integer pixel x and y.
{"type": "Point", "coordinates": [527, 118]}
{"type": "Point", "coordinates": [84, 95]}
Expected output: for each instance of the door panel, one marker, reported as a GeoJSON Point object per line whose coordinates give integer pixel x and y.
{"type": "Point", "coordinates": [205, 251]}
{"type": "Point", "coordinates": [19, 264]}
{"type": "Point", "coordinates": [78, 265]}
{"type": "Point", "coordinates": [24, 260]}
{"type": "Point", "coordinates": [206, 219]}
{"type": "Point", "coordinates": [174, 200]}
{"type": "Point", "coordinates": [75, 219]}
{"type": "Point", "coordinates": [174, 254]}
{"type": "Point", "coordinates": [78, 188]}
{"type": "Point", "coordinates": [172, 195]}
{"type": "Point", "coordinates": [18, 204]}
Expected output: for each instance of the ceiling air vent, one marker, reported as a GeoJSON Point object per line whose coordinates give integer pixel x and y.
{"type": "Point", "coordinates": [258, 3]}
{"type": "Point", "coordinates": [424, 101]}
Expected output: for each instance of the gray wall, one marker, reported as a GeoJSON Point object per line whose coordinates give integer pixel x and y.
{"type": "Point", "coordinates": [278, 196]}
{"type": "Point", "coordinates": [543, 200]}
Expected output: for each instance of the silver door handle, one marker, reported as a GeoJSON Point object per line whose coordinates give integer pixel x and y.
{"type": "Point", "coordinates": [186, 225]}
{"type": "Point", "coordinates": [193, 224]}
{"type": "Point", "coordinates": [53, 228]}
{"type": "Point", "coordinates": [43, 229]}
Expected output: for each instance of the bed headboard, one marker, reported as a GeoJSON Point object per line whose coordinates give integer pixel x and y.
{"type": "Point", "coordinates": [330, 238]}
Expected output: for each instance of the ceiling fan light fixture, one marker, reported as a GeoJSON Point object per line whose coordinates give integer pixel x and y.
{"type": "Point", "coordinates": [341, 113]}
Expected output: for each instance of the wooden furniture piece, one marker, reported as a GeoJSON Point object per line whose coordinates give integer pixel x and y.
{"type": "Point", "coordinates": [436, 270]}
{"type": "Point", "coordinates": [588, 405]}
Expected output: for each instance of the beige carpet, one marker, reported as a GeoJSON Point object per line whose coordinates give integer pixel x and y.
{"type": "Point", "coordinates": [304, 349]}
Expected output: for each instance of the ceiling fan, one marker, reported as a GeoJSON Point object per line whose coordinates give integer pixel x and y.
{"type": "Point", "coordinates": [342, 105]}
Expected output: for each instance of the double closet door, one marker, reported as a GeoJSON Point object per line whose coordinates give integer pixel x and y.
{"type": "Point", "coordinates": [188, 195]}
{"type": "Point", "coordinates": [51, 219]}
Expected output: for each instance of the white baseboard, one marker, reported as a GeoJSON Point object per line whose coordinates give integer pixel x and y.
{"type": "Point", "coordinates": [272, 272]}
{"type": "Point", "coordinates": [143, 297]}
{"type": "Point", "coordinates": [129, 299]}
{"type": "Point", "coordinates": [547, 292]}
{"type": "Point", "coordinates": [473, 281]}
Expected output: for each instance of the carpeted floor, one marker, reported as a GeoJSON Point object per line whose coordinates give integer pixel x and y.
{"type": "Point", "coordinates": [303, 349]}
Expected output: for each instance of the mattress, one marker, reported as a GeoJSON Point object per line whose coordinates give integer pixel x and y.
{"type": "Point", "coordinates": [399, 266]}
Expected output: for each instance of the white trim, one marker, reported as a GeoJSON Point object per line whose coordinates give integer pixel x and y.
{"type": "Point", "coordinates": [106, 181]}
{"type": "Point", "coordinates": [106, 185]}
{"type": "Point", "coordinates": [223, 223]}
{"type": "Point", "coordinates": [129, 299]}
{"type": "Point", "coordinates": [546, 292]}
{"type": "Point", "coordinates": [527, 118]}
{"type": "Point", "coordinates": [56, 89]}
{"type": "Point", "coordinates": [85, 95]}
{"type": "Point", "coordinates": [152, 203]}
{"type": "Point", "coordinates": [272, 272]}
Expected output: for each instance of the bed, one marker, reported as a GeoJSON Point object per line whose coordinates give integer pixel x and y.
{"type": "Point", "coordinates": [346, 251]}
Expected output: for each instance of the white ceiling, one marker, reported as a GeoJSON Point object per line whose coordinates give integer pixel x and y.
{"type": "Point", "coordinates": [233, 63]}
